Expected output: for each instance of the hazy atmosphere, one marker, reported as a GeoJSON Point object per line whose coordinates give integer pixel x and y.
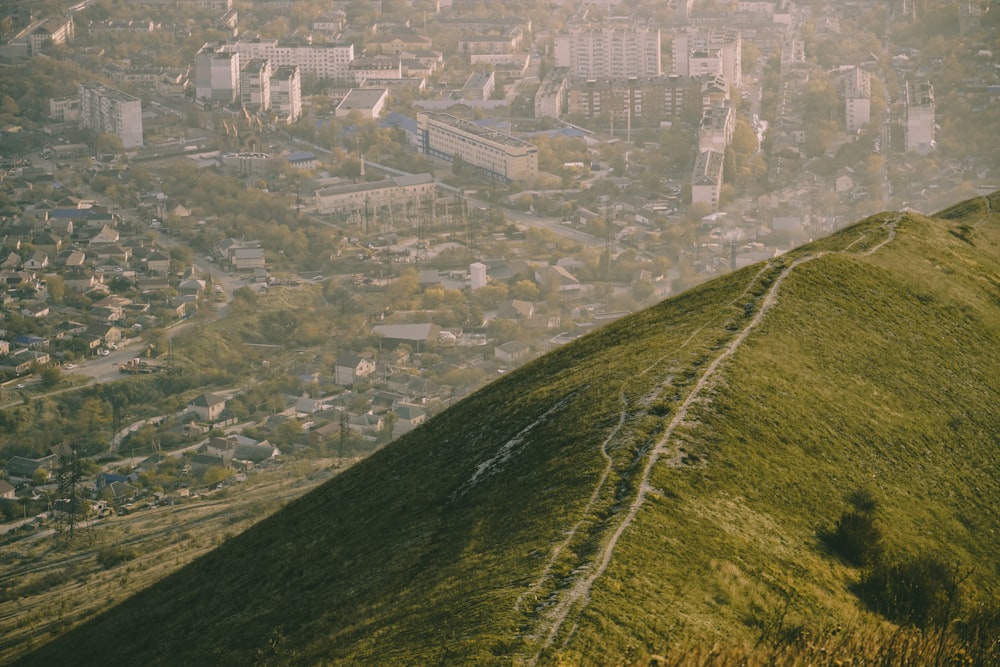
{"type": "Point", "coordinates": [523, 333]}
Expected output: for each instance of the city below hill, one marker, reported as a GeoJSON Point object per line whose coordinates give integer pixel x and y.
{"type": "Point", "coordinates": [795, 463]}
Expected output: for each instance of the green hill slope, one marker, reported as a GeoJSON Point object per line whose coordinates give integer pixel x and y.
{"type": "Point", "coordinates": [655, 487]}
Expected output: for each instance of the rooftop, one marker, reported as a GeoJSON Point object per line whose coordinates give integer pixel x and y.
{"type": "Point", "coordinates": [478, 130]}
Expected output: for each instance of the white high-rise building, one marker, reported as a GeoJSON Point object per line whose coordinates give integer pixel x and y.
{"type": "Point", "coordinates": [107, 110]}
{"type": "Point", "coordinates": [857, 99]}
{"type": "Point", "coordinates": [694, 47]}
{"type": "Point", "coordinates": [286, 93]}
{"type": "Point", "coordinates": [217, 73]}
{"type": "Point", "coordinates": [919, 129]}
{"type": "Point", "coordinates": [609, 51]}
{"type": "Point", "coordinates": [324, 61]}
{"type": "Point", "coordinates": [255, 85]}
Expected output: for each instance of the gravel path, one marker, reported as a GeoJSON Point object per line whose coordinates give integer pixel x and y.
{"type": "Point", "coordinates": [579, 591]}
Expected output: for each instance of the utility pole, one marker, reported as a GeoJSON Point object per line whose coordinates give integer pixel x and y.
{"type": "Point", "coordinates": [607, 241]}
{"type": "Point", "coordinates": [343, 434]}
{"type": "Point", "coordinates": [367, 215]}
{"type": "Point", "coordinates": [68, 478]}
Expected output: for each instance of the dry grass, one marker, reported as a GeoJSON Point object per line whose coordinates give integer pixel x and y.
{"type": "Point", "coordinates": [50, 583]}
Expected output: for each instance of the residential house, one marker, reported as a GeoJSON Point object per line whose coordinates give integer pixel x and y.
{"type": "Point", "coordinates": [47, 241]}
{"type": "Point", "coordinates": [112, 252]}
{"type": "Point", "coordinates": [202, 462]}
{"type": "Point", "coordinates": [68, 328]}
{"type": "Point", "coordinates": [193, 286]}
{"type": "Point", "coordinates": [35, 310]}
{"type": "Point", "coordinates": [307, 406]}
{"type": "Point", "coordinates": [7, 490]}
{"type": "Point", "coordinates": [408, 417]}
{"type": "Point", "coordinates": [350, 367]}
{"type": "Point", "coordinates": [31, 341]}
{"type": "Point", "coordinates": [108, 334]}
{"type": "Point", "coordinates": [118, 492]}
{"type": "Point", "coordinates": [83, 279]}
{"type": "Point", "coordinates": [70, 258]}
{"type": "Point", "coordinates": [107, 234]}
{"type": "Point", "coordinates": [20, 468]}
{"type": "Point", "coordinates": [38, 261]}
{"type": "Point", "coordinates": [11, 263]}
{"type": "Point", "coordinates": [556, 277]}
{"type": "Point", "coordinates": [367, 424]}
{"type": "Point", "coordinates": [105, 479]}
{"type": "Point", "coordinates": [223, 448]}
{"type": "Point", "coordinates": [253, 451]}
{"type": "Point", "coordinates": [413, 334]}
{"type": "Point", "coordinates": [158, 262]}
{"type": "Point", "coordinates": [115, 304]}
{"type": "Point", "coordinates": [516, 309]}
{"type": "Point", "coordinates": [511, 352]}
{"type": "Point", "coordinates": [384, 401]}
{"type": "Point", "coordinates": [208, 406]}
{"type": "Point", "coordinates": [22, 360]}
{"type": "Point", "coordinates": [247, 259]}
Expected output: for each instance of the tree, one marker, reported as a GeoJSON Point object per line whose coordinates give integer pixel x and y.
{"type": "Point", "coordinates": [108, 144]}
{"type": "Point", "coordinates": [744, 140]}
{"type": "Point", "coordinates": [51, 376]}
{"type": "Point", "coordinates": [390, 426]}
{"type": "Point", "coordinates": [56, 287]}
{"type": "Point", "coordinates": [526, 290]}
{"type": "Point", "coordinates": [215, 474]}
{"type": "Point", "coordinates": [244, 300]}
{"type": "Point", "coordinates": [404, 287]}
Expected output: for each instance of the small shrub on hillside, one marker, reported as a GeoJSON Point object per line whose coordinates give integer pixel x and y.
{"type": "Point", "coordinates": [116, 554]}
{"type": "Point", "coordinates": [863, 501]}
{"type": "Point", "coordinates": [920, 592]}
{"type": "Point", "coordinates": [855, 538]}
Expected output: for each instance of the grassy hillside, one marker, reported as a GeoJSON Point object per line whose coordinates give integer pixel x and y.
{"type": "Point", "coordinates": [655, 488]}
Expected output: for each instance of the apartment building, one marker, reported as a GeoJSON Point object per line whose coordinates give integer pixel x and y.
{"type": "Point", "coordinates": [255, 85]}
{"type": "Point", "coordinates": [716, 129]}
{"type": "Point", "coordinates": [640, 100]}
{"type": "Point", "coordinates": [479, 86]}
{"type": "Point", "coordinates": [507, 42]}
{"type": "Point", "coordinates": [286, 93]}
{"type": "Point", "coordinates": [919, 128]}
{"type": "Point", "coordinates": [551, 95]}
{"type": "Point", "coordinates": [500, 156]}
{"type": "Point", "coordinates": [325, 61]}
{"type": "Point", "coordinates": [483, 24]}
{"type": "Point", "coordinates": [56, 30]}
{"type": "Point", "coordinates": [64, 108]}
{"type": "Point", "coordinates": [217, 73]}
{"type": "Point", "coordinates": [857, 99]}
{"type": "Point", "coordinates": [700, 51]}
{"type": "Point", "coordinates": [706, 179]}
{"type": "Point", "coordinates": [612, 50]}
{"type": "Point", "coordinates": [374, 67]}
{"type": "Point", "coordinates": [107, 110]}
